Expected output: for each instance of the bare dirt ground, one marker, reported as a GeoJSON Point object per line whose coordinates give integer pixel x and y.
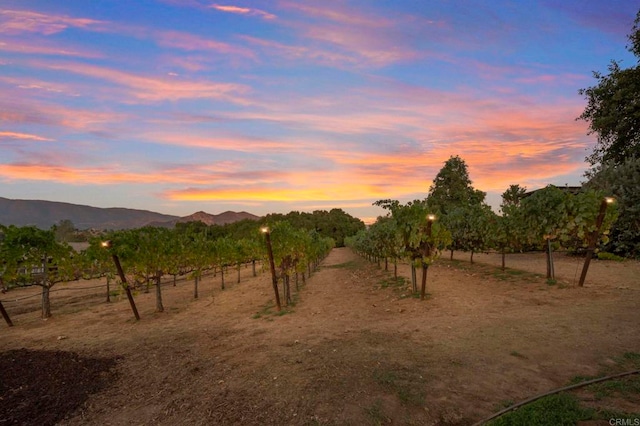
{"type": "Point", "coordinates": [354, 350]}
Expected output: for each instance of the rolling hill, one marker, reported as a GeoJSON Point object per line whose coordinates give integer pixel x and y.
{"type": "Point", "coordinates": [44, 214]}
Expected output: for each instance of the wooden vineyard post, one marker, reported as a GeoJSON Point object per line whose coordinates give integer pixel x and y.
{"type": "Point", "coordinates": [123, 278]}
{"type": "Point", "coordinates": [5, 315]}
{"type": "Point", "coordinates": [125, 284]}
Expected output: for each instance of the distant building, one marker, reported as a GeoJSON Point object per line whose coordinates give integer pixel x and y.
{"type": "Point", "coordinates": [570, 189]}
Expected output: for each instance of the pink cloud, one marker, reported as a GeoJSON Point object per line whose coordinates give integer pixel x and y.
{"type": "Point", "coordinates": [65, 168]}
{"type": "Point", "coordinates": [44, 47]}
{"type": "Point", "coordinates": [17, 112]}
{"type": "Point", "coordinates": [46, 87]}
{"type": "Point", "coordinates": [373, 40]}
{"type": "Point", "coordinates": [337, 13]}
{"type": "Point", "coordinates": [243, 11]}
{"type": "Point", "coordinates": [23, 136]}
{"type": "Point", "coordinates": [71, 175]}
{"type": "Point", "coordinates": [226, 143]}
{"type": "Point", "coordinates": [21, 21]}
{"type": "Point", "coordinates": [186, 41]}
{"type": "Point", "coordinates": [154, 89]}
{"type": "Point", "coordinates": [298, 52]}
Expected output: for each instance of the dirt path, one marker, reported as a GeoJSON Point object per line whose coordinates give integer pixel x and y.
{"type": "Point", "coordinates": [355, 350]}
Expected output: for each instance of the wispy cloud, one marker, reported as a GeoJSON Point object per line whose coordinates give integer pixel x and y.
{"type": "Point", "coordinates": [222, 174]}
{"type": "Point", "coordinates": [297, 53]}
{"type": "Point", "coordinates": [190, 42]}
{"type": "Point", "coordinates": [338, 13]}
{"type": "Point", "coordinates": [20, 21]}
{"type": "Point", "coordinates": [372, 39]}
{"type": "Point", "coordinates": [243, 11]}
{"type": "Point", "coordinates": [237, 143]}
{"type": "Point", "coordinates": [17, 111]}
{"type": "Point", "coordinates": [153, 89]}
{"type": "Point", "coordinates": [45, 47]}
{"type": "Point", "coordinates": [22, 136]}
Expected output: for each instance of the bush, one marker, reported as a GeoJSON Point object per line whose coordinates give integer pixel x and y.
{"type": "Point", "coordinates": [603, 255]}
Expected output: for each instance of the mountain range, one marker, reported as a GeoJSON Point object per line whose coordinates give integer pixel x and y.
{"type": "Point", "coordinates": [44, 214]}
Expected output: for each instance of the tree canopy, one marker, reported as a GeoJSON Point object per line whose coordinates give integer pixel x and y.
{"type": "Point", "coordinates": [613, 108]}
{"type": "Point", "coordinates": [452, 187]}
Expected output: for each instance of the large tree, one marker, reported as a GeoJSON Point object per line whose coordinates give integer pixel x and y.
{"type": "Point", "coordinates": [613, 109]}
{"type": "Point", "coordinates": [460, 206]}
{"type": "Point", "coordinates": [452, 187]}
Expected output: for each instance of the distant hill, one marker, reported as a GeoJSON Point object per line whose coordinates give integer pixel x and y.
{"type": "Point", "coordinates": [209, 219]}
{"type": "Point", "coordinates": [44, 214]}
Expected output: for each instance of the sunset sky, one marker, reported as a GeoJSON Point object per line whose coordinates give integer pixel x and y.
{"type": "Point", "coordinates": [177, 106]}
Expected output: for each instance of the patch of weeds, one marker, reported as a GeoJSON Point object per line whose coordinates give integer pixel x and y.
{"type": "Point", "coordinates": [352, 264]}
{"type": "Point", "coordinates": [427, 295]}
{"type": "Point", "coordinates": [269, 311]}
{"type": "Point", "coordinates": [458, 263]}
{"type": "Point", "coordinates": [410, 396]}
{"type": "Point", "coordinates": [622, 387]}
{"type": "Point", "coordinates": [565, 408]}
{"type": "Point", "coordinates": [631, 358]}
{"type": "Point", "coordinates": [266, 310]}
{"type": "Point", "coordinates": [518, 355]}
{"type": "Point", "coordinates": [626, 418]}
{"type": "Point", "coordinates": [509, 274]}
{"type": "Point", "coordinates": [551, 281]}
{"type": "Point", "coordinates": [515, 272]}
{"type": "Point", "coordinates": [560, 409]}
{"type": "Point", "coordinates": [505, 404]}
{"type": "Point", "coordinates": [603, 255]}
{"type": "Point", "coordinates": [579, 379]}
{"type": "Point", "coordinates": [405, 384]}
{"type": "Point", "coordinates": [384, 377]}
{"type": "Point", "coordinates": [393, 282]}
{"type": "Point", "coordinates": [376, 414]}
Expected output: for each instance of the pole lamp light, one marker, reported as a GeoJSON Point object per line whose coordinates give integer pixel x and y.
{"type": "Point", "coordinates": [274, 280]}
{"type": "Point", "coordinates": [430, 219]}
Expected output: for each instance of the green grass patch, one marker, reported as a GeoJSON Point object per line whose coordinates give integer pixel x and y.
{"type": "Point", "coordinates": [376, 414]}
{"type": "Point", "coordinates": [518, 355]}
{"type": "Point", "coordinates": [554, 410]}
{"type": "Point", "coordinates": [268, 310]}
{"type": "Point", "coordinates": [509, 274]}
{"type": "Point", "coordinates": [352, 264]}
{"type": "Point", "coordinates": [603, 255]}
{"type": "Point", "coordinates": [579, 379]}
{"type": "Point", "coordinates": [630, 358]}
{"type": "Point", "coordinates": [393, 282]}
{"type": "Point", "coordinates": [407, 385]}
{"type": "Point", "coordinates": [624, 387]}
{"type": "Point", "coordinates": [504, 404]}
{"type": "Point", "coordinates": [566, 408]}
